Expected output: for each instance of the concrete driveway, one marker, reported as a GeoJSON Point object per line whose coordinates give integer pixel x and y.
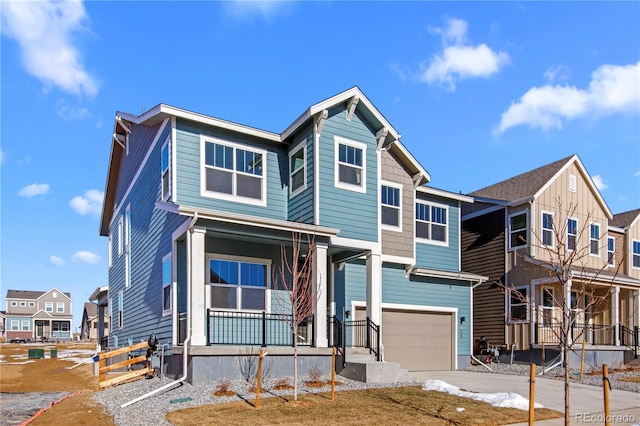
{"type": "Point", "coordinates": [587, 402]}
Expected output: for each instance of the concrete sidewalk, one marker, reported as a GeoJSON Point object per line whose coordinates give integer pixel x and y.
{"type": "Point", "coordinates": [587, 402]}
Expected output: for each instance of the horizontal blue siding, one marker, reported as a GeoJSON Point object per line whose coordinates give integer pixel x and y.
{"type": "Point", "coordinates": [445, 258]}
{"type": "Point", "coordinates": [189, 171]}
{"type": "Point", "coordinates": [354, 213]}
{"type": "Point", "coordinates": [301, 206]}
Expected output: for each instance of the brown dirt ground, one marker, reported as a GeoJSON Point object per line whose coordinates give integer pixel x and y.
{"type": "Point", "coordinates": [53, 375]}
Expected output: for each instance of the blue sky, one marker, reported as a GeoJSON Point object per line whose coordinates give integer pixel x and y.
{"type": "Point", "coordinates": [479, 91]}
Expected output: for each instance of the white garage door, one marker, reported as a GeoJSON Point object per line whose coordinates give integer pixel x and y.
{"type": "Point", "coordinates": [417, 340]}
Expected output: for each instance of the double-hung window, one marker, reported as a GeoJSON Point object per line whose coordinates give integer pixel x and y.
{"type": "Point", "coordinates": [60, 307]}
{"type": "Point", "coordinates": [238, 283]}
{"type": "Point", "coordinates": [518, 304]}
{"type": "Point", "coordinates": [166, 284]}
{"type": "Point", "coordinates": [297, 168]}
{"type": "Point", "coordinates": [518, 230]}
{"type": "Point", "coordinates": [15, 325]}
{"type": "Point", "coordinates": [120, 310]}
{"type": "Point", "coordinates": [611, 251]}
{"type": "Point", "coordinates": [350, 165]}
{"type": "Point", "coordinates": [635, 254]}
{"type": "Point", "coordinates": [572, 233]}
{"type": "Point", "coordinates": [547, 229]}
{"type": "Point", "coordinates": [594, 239]}
{"type": "Point", "coordinates": [48, 306]}
{"type": "Point", "coordinates": [233, 172]}
{"type": "Point", "coordinates": [431, 223]}
{"type": "Point", "coordinates": [391, 207]}
{"type": "Point", "coordinates": [26, 325]}
{"type": "Point", "coordinates": [165, 169]}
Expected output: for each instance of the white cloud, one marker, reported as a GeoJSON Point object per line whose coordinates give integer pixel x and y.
{"type": "Point", "coordinates": [3, 157]}
{"type": "Point", "coordinates": [90, 203]}
{"type": "Point", "coordinates": [265, 9]}
{"type": "Point", "coordinates": [556, 73]}
{"type": "Point", "coordinates": [459, 60]}
{"type": "Point", "coordinates": [34, 189]}
{"type": "Point", "coordinates": [68, 113]}
{"type": "Point", "coordinates": [613, 89]}
{"type": "Point", "coordinates": [43, 30]}
{"type": "Point", "coordinates": [599, 182]}
{"type": "Point", "coordinates": [637, 173]}
{"type": "Point", "coordinates": [56, 261]}
{"type": "Point", "coordinates": [85, 257]}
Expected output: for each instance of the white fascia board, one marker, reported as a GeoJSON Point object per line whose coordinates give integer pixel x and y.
{"type": "Point", "coordinates": [481, 212]}
{"type": "Point", "coordinates": [98, 291]}
{"type": "Point", "coordinates": [372, 246]}
{"type": "Point", "coordinates": [242, 219]}
{"type": "Point", "coordinates": [445, 194]}
{"type": "Point", "coordinates": [521, 201]}
{"type": "Point", "coordinates": [607, 279]}
{"type": "Point", "coordinates": [616, 229]}
{"type": "Point", "coordinates": [466, 276]}
{"type": "Point", "coordinates": [163, 110]}
{"type": "Point", "coordinates": [489, 200]}
{"type": "Point", "coordinates": [53, 289]}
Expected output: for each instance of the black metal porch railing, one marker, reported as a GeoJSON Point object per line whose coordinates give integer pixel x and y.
{"type": "Point", "coordinates": [595, 334]}
{"type": "Point", "coordinates": [630, 337]}
{"type": "Point", "coordinates": [256, 328]}
{"type": "Point", "coordinates": [363, 334]}
{"type": "Point", "coordinates": [336, 337]}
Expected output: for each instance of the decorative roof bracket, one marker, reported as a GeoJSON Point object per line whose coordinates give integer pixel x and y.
{"type": "Point", "coordinates": [123, 124]}
{"type": "Point", "coordinates": [319, 121]}
{"type": "Point", "coordinates": [351, 107]}
{"type": "Point", "coordinates": [120, 139]}
{"type": "Point", "coordinates": [381, 135]}
{"type": "Point", "coordinates": [416, 179]}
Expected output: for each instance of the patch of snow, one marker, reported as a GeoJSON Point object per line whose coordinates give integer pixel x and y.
{"type": "Point", "coordinates": [460, 409]}
{"type": "Point", "coordinates": [19, 363]}
{"type": "Point", "coordinates": [501, 399]}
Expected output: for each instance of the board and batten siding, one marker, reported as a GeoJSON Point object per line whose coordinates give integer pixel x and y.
{"type": "Point", "coordinates": [428, 291]}
{"type": "Point", "coordinates": [436, 256]}
{"type": "Point", "coordinates": [354, 213]}
{"type": "Point", "coordinates": [189, 170]}
{"type": "Point", "coordinates": [301, 205]}
{"type": "Point", "coordinates": [151, 240]}
{"type": "Point", "coordinates": [483, 243]}
{"type": "Point", "coordinates": [399, 243]}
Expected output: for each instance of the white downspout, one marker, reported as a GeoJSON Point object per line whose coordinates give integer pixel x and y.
{"type": "Point", "coordinates": [186, 342]}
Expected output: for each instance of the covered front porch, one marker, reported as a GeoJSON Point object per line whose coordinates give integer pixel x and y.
{"type": "Point", "coordinates": [47, 327]}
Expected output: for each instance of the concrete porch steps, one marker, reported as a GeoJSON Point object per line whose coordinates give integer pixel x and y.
{"type": "Point", "coordinates": [363, 367]}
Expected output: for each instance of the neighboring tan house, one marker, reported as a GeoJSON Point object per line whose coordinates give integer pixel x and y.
{"type": "Point", "coordinates": [35, 315]}
{"type": "Point", "coordinates": [511, 233]}
{"type": "Point", "coordinates": [101, 298]}
{"type": "Point", "coordinates": [196, 210]}
{"type": "Point", "coordinates": [90, 323]}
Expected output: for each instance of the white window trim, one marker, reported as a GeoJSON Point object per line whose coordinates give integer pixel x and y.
{"type": "Point", "coordinates": [58, 305]}
{"type": "Point", "coordinates": [120, 310]}
{"type": "Point", "coordinates": [166, 312]}
{"type": "Point", "coordinates": [23, 304]}
{"type": "Point", "coordinates": [120, 235]}
{"type": "Point", "coordinates": [126, 143]}
{"type": "Point", "coordinates": [573, 183]}
{"type": "Point", "coordinates": [543, 229]}
{"type": "Point", "coordinates": [400, 210]}
{"type": "Point", "coordinates": [232, 197]}
{"type": "Point", "coordinates": [25, 323]}
{"type": "Point", "coordinates": [14, 303]}
{"type": "Point", "coordinates": [46, 305]}
{"type": "Point", "coordinates": [127, 247]}
{"type": "Point", "coordinates": [15, 325]}
{"type": "Point", "coordinates": [110, 302]}
{"type": "Point", "coordinates": [301, 145]}
{"type": "Point", "coordinates": [598, 240]}
{"type": "Point", "coordinates": [526, 228]}
{"type": "Point", "coordinates": [267, 291]}
{"type": "Point", "coordinates": [32, 304]}
{"type": "Point", "coordinates": [631, 251]}
{"type": "Point", "coordinates": [166, 144]}
{"type": "Point", "coordinates": [336, 170]}
{"type": "Point", "coordinates": [110, 251]}
{"type": "Point", "coordinates": [613, 261]}
{"type": "Point", "coordinates": [575, 242]}
{"type": "Point", "coordinates": [444, 243]}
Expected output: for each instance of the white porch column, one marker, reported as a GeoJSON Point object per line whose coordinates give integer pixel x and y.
{"type": "Point", "coordinates": [567, 323]}
{"type": "Point", "coordinates": [635, 308]}
{"type": "Point", "coordinates": [319, 293]}
{"type": "Point", "coordinates": [197, 303]}
{"type": "Point", "coordinates": [615, 314]}
{"type": "Point", "coordinates": [374, 288]}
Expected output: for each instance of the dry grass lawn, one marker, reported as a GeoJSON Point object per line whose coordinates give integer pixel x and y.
{"type": "Point", "coordinates": [407, 405]}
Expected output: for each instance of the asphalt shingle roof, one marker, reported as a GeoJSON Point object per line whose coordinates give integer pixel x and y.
{"type": "Point", "coordinates": [622, 220]}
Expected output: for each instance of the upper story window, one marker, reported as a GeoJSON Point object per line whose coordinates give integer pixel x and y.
{"type": "Point", "coordinates": [23, 304]}
{"type": "Point", "coordinates": [391, 207]}
{"type": "Point", "coordinates": [431, 223]}
{"type": "Point", "coordinates": [635, 254]}
{"type": "Point", "coordinates": [350, 165]}
{"type": "Point", "coordinates": [32, 304]}
{"type": "Point", "coordinates": [60, 307]}
{"type": "Point", "coordinates": [166, 284]}
{"type": "Point", "coordinates": [14, 303]}
{"type": "Point", "coordinates": [237, 284]}
{"type": "Point", "coordinates": [120, 235]}
{"type": "Point", "coordinates": [572, 233]}
{"type": "Point", "coordinates": [518, 230]}
{"type": "Point", "coordinates": [547, 229]}
{"type": "Point", "coordinates": [518, 304]}
{"type": "Point", "coordinates": [165, 169]}
{"type": "Point", "coordinates": [233, 172]}
{"type": "Point", "coordinates": [573, 183]}
{"type": "Point", "coordinates": [594, 239]}
{"type": "Point", "coordinates": [611, 251]}
{"type": "Point", "coordinates": [297, 168]}
{"type": "Point", "coordinates": [48, 306]}
{"type": "Point", "coordinates": [127, 247]}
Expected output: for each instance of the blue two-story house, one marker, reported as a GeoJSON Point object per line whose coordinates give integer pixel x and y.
{"type": "Point", "coordinates": [197, 209]}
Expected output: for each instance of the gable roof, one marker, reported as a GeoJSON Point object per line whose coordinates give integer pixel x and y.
{"type": "Point", "coordinates": [90, 309]}
{"type": "Point", "coordinates": [625, 219]}
{"type": "Point", "coordinates": [31, 294]}
{"type": "Point", "coordinates": [531, 184]}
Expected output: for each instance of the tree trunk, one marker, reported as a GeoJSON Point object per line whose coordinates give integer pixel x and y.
{"type": "Point", "coordinates": [295, 364]}
{"type": "Point", "coordinates": [567, 413]}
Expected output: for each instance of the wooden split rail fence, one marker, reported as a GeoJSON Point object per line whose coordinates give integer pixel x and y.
{"type": "Point", "coordinates": [104, 368]}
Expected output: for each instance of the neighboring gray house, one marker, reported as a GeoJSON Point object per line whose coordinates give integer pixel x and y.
{"type": "Point", "coordinates": [196, 210]}
{"type": "Point", "coordinates": [33, 315]}
{"type": "Point", "coordinates": [90, 322]}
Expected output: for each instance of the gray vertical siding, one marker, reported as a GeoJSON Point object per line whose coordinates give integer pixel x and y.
{"type": "Point", "coordinates": [189, 170]}
{"type": "Point", "coordinates": [354, 213]}
{"type": "Point", "coordinates": [439, 257]}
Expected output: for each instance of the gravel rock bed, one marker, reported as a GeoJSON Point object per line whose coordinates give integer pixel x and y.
{"type": "Point", "coordinates": [152, 410]}
{"type": "Point", "coordinates": [589, 376]}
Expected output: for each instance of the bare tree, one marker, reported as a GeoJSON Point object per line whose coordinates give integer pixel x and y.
{"type": "Point", "coordinates": [565, 260]}
{"type": "Point", "coordinates": [294, 278]}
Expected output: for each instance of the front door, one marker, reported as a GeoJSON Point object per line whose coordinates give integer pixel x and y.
{"type": "Point", "coordinates": [39, 329]}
